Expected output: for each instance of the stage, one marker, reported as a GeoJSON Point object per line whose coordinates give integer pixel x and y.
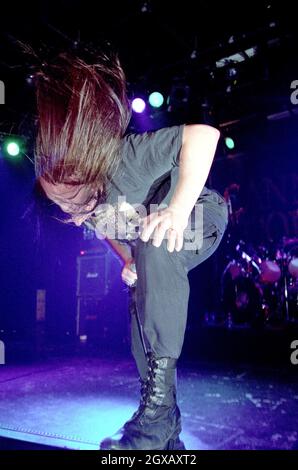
{"type": "Point", "coordinates": [74, 402]}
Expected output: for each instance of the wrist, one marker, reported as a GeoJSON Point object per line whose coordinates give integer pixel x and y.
{"type": "Point", "coordinates": [180, 211]}
{"type": "Point", "coordinates": [129, 261]}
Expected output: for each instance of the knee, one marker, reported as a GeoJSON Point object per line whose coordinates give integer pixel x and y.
{"type": "Point", "coordinates": [150, 253]}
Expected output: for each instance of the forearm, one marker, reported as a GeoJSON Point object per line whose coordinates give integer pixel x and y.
{"type": "Point", "coordinates": [122, 250]}
{"type": "Point", "coordinates": [197, 153]}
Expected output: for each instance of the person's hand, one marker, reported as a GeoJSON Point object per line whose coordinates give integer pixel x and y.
{"type": "Point", "coordinates": [128, 274]}
{"type": "Point", "coordinates": [169, 223]}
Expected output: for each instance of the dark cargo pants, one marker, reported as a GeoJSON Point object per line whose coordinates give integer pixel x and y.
{"type": "Point", "coordinates": [162, 290]}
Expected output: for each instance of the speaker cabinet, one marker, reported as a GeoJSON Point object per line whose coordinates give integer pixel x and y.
{"type": "Point", "coordinates": [92, 275]}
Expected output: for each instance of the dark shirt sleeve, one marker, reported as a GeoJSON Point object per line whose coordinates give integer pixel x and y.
{"type": "Point", "coordinates": [154, 153]}
{"type": "Point", "coordinates": [146, 158]}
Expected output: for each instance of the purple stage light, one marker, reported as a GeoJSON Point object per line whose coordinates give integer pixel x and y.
{"type": "Point", "coordinates": [138, 105]}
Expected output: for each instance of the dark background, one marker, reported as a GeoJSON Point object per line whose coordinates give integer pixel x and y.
{"type": "Point", "coordinates": [175, 48]}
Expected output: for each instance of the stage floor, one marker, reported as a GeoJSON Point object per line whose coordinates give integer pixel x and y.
{"type": "Point", "coordinates": [75, 402]}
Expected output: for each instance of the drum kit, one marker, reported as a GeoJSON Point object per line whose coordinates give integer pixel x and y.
{"type": "Point", "coordinates": [260, 285]}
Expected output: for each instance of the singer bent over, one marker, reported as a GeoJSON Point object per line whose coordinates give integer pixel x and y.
{"type": "Point", "coordinates": [84, 162]}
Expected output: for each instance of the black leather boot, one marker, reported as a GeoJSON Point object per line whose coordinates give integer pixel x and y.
{"type": "Point", "coordinates": [156, 424]}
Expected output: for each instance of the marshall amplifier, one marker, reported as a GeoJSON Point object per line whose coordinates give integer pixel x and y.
{"type": "Point", "coordinates": [92, 275]}
{"type": "Point", "coordinates": [91, 318]}
{"type": "Point", "coordinates": [101, 306]}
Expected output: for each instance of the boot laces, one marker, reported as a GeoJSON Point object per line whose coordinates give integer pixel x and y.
{"type": "Point", "coordinates": [147, 389]}
{"type": "Point", "coordinates": [148, 386]}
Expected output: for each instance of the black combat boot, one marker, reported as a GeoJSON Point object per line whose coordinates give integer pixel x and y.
{"type": "Point", "coordinates": [156, 424]}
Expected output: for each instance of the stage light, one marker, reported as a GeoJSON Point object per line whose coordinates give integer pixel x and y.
{"type": "Point", "coordinates": [230, 144]}
{"type": "Point", "coordinates": [12, 148]}
{"type": "Point", "coordinates": [138, 105]}
{"type": "Point", "coordinates": [156, 99]}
